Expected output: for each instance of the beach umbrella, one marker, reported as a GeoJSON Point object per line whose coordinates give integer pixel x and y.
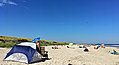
{"type": "Point", "coordinates": [36, 39]}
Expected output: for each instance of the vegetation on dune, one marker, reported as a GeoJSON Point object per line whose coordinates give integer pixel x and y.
{"type": "Point", "coordinates": [7, 44]}
{"type": "Point", "coordinates": [7, 41]}
{"type": "Point", "coordinates": [47, 43]}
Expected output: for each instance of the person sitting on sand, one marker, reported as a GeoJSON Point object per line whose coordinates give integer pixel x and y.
{"type": "Point", "coordinates": [115, 52]}
{"type": "Point", "coordinates": [55, 47]}
{"type": "Point", "coordinates": [38, 46]}
{"type": "Point", "coordinates": [102, 45]}
{"type": "Point", "coordinates": [67, 46]}
{"type": "Point", "coordinates": [98, 46]}
{"type": "Point", "coordinates": [86, 50]}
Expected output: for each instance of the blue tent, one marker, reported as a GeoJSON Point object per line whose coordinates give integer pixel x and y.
{"type": "Point", "coordinates": [24, 52]}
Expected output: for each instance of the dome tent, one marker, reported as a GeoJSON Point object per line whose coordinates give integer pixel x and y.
{"type": "Point", "coordinates": [24, 52]}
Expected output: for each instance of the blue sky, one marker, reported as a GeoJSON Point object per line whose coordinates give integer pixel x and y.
{"type": "Point", "coordinates": [82, 21]}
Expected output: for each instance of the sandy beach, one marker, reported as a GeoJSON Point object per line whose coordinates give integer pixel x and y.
{"type": "Point", "coordinates": [73, 55]}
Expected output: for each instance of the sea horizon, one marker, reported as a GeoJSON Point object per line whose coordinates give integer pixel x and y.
{"type": "Point", "coordinates": [107, 44]}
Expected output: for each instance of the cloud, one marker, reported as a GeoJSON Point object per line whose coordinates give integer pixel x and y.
{"type": "Point", "coordinates": [4, 2]}
{"type": "Point", "coordinates": [12, 3]}
{"type": "Point", "coordinates": [1, 4]}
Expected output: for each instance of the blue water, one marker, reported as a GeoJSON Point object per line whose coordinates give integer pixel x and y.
{"type": "Point", "coordinates": [111, 45]}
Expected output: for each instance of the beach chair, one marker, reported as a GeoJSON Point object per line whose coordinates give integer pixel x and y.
{"type": "Point", "coordinates": [43, 52]}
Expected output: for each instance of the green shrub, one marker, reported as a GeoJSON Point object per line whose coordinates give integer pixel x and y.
{"type": "Point", "coordinates": [22, 40]}
{"type": "Point", "coordinates": [7, 44]}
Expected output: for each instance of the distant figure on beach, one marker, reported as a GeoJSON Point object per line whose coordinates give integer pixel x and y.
{"type": "Point", "coordinates": [86, 49]}
{"type": "Point", "coordinates": [115, 52]}
{"type": "Point", "coordinates": [102, 45]}
{"type": "Point", "coordinates": [84, 46]}
{"type": "Point", "coordinates": [67, 46]}
{"type": "Point", "coordinates": [55, 47]}
{"type": "Point", "coordinates": [98, 46]}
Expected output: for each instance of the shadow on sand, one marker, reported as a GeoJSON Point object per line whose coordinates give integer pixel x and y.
{"type": "Point", "coordinates": [43, 60]}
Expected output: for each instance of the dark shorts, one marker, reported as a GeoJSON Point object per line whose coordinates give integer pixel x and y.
{"type": "Point", "coordinates": [38, 49]}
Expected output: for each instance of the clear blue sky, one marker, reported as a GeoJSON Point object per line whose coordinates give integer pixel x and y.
{"type": "Point", "coordinates": [92, 21]}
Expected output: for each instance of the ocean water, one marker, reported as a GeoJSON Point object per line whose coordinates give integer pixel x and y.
{"type": "Point", "coordinates": [112, 45]}
{"type": "Point", "coordinates": [109, 45]}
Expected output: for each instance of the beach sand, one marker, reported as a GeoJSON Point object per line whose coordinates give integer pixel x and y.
{"type": "Point", "coordinates": [73, 55]}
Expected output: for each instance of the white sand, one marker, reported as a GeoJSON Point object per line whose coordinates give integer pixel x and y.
{"type": "Point", "coordinates": [74, 56]}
